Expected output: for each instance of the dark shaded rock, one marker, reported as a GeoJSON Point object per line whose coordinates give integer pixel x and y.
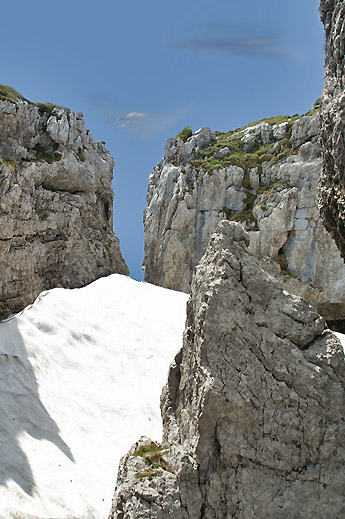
{"type": "Point", "coordinates": [253, 409]}
{"type": "Point", "coordinates": [332, 123]}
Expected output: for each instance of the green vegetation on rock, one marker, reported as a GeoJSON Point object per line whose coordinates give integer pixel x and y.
{"type": "Point", "coordinates": [152, 454]}
{"type": "Point", "coordinates": [246, 181]}
{"type": "Point", "coordinates": [226, 212]}
{"type": "Point", "coordinates": [278, 119]}
{"type": "Point", "coordinates": [9, 163]}
{"type": "Point", "coordinates": [185, 134]}
{"type": "Point", "coordinates": [282, 262]}
{"type": "Point", "coordinates": [314, 111]}
{"type": "Point", "coordinates": [8, 93]}
{"type": "Point", "coordinates": [270, 189]}
{"type": "Point", "coordinates": [244, 216]}
{"type": "Point", "coordinates": [46, 108]}
{"type": "Point", "coordinates": [41, 154]}
{"type": "Point", "coordinates": [81, 155]}
{"type": "Point", "coordinates": [148, 474]}
{"type": "Point", "coordinates": [209, 160]}
{"type": "Point", "coordinates": [148, 450]}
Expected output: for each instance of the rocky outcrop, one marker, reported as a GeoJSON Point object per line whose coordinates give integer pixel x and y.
{"type": "Point", "coordinates": [332, 123]}
{"type": "Point", "coordinates": [264, 175]}
{"type": "Point", "coordinates": [253, 410]}
{"type": "Point", "coordinates": [56, 203]}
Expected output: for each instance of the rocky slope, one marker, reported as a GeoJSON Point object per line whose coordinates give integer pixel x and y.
{"type": "Point", "coordinates": [56, 202]}
{"type": "Point", "coordinates": [253, 410]}
{"type": "Point", "coordinates": [332, 182]}
{"type": "Point", "coordinates": [264, 175]}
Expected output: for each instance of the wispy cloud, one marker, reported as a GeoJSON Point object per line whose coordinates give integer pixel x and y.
{"type": "Point", "coordinates": [140, 124]}
{"type": "Point", "coordinates": [245, 46]}
{"type": "Point", "coordinates": [147, 125]}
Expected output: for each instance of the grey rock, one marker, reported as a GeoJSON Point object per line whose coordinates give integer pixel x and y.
{"type": "Point", "coordinates": [304, 129]}
{"type": "Point", "coordinates": [56, 204]}
{"type": "Point", "coordinates": [253, 408]}
{"type": "Point", "coordinates": [249, 142]}
{"type": "Point", "coordinates": [144, 491]}
{"type": "Point", "coordinates": [332, 121]}
{"type": "Point", "coordinates": [275, 219]}
{"type": "Point", "coordinates": [277, 204]}
{"type": "Point", "coordinates": [202, 137]}
{"type": "Point", "coordinates": [279, 131]}
{"type": "Point", "coordinates": [182, 152]}
{"type": "Point", "coordinates": [170, 149]}
{"type": "Point", "coordinates": [264, 132]}
{"type": "Point", "coordinates": [223, 152]}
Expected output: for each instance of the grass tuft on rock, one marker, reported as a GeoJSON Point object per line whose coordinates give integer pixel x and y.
{"type": "Point", "coordinates": [152, 454]}
{"type": "Point", "coordinates": [8, 93]}
{"type": "Point", "coordinates": [282, 262]}
{"type": "Point", "coordinates": [185, 134]}
{"type": "Point", "coordinates": [244, 216]}
{"type": "Point", "coordinates": [46, 108]}
{"type": "Point", "coordinates": [9, 164]}
{"type": "Point", "coordinates": [148, 474]}
{"type": "Point", "coordinates": [41, 154]}
{"type": "Point", "coordinates": [208, 159]}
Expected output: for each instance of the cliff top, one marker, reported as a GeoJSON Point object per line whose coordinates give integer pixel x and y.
{"type": "Point", "coordinates": [267, 140]}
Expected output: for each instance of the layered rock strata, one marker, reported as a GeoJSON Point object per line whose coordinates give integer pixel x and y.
{"type": "Point", "coordinates": [332, 124]}
{"type": "Point", "coordinates": [265, 176]}
{"type": "Point", "coordinates": [253, 410]}
{"type": "Point", "coordinates": [56, 204]}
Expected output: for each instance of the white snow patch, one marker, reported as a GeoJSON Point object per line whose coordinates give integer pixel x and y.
{"type": "Point", "coordinates": [81, 372]}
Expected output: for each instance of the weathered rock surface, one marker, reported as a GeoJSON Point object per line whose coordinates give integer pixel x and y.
{"type": "Point", "coordinates": [253, 412]}
{"type": "Point", "coordinates": [332, 182]}
{"type": "Point", "coordinates": [267, 180]}
{"type": "Point", "coordinates": [144, 491]}
{"type": "Point", "coordinates": [56, 204]}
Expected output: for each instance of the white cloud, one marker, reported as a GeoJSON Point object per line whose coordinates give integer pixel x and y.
{"type": "Point", "coordinates": [127, 120]}
{"type": "Point", "coordinates": [130, 115]}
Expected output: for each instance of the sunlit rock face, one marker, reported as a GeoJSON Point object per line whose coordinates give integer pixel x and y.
{"type": "Point", "coordinates": [56, 204]}
{"type": "Point", "coordinates": [253, 409]}
{"type": "Point", "coordinates": [264, 176]}
{"type": "Point", "coordinates": [332, 182]}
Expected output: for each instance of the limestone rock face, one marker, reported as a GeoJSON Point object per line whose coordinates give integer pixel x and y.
{"type": "Point", "coordinates": [332, 182]}
{"type": "Point", "coordinates": [56, 204]}
{"type": "Point", "coordinates": [253, 410]}
{"type": "Point", "coordinates": [266, 177]}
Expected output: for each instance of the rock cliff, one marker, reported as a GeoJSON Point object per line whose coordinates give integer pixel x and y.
{"type": "Point", "coordinates": [332, 182]}
{"type": "Point", "coordinates": [253, 410]}
{"type": "Point", "coordinates": [56, 202]}
{"type": "Point", "coordinates": [264, 175]}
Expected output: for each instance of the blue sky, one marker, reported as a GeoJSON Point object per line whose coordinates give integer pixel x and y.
{"type": "Point", "coordinates": [141, 71]}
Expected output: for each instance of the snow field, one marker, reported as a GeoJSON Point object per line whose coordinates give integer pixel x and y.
{"type": "Point", "coordinates": [81, 372]}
